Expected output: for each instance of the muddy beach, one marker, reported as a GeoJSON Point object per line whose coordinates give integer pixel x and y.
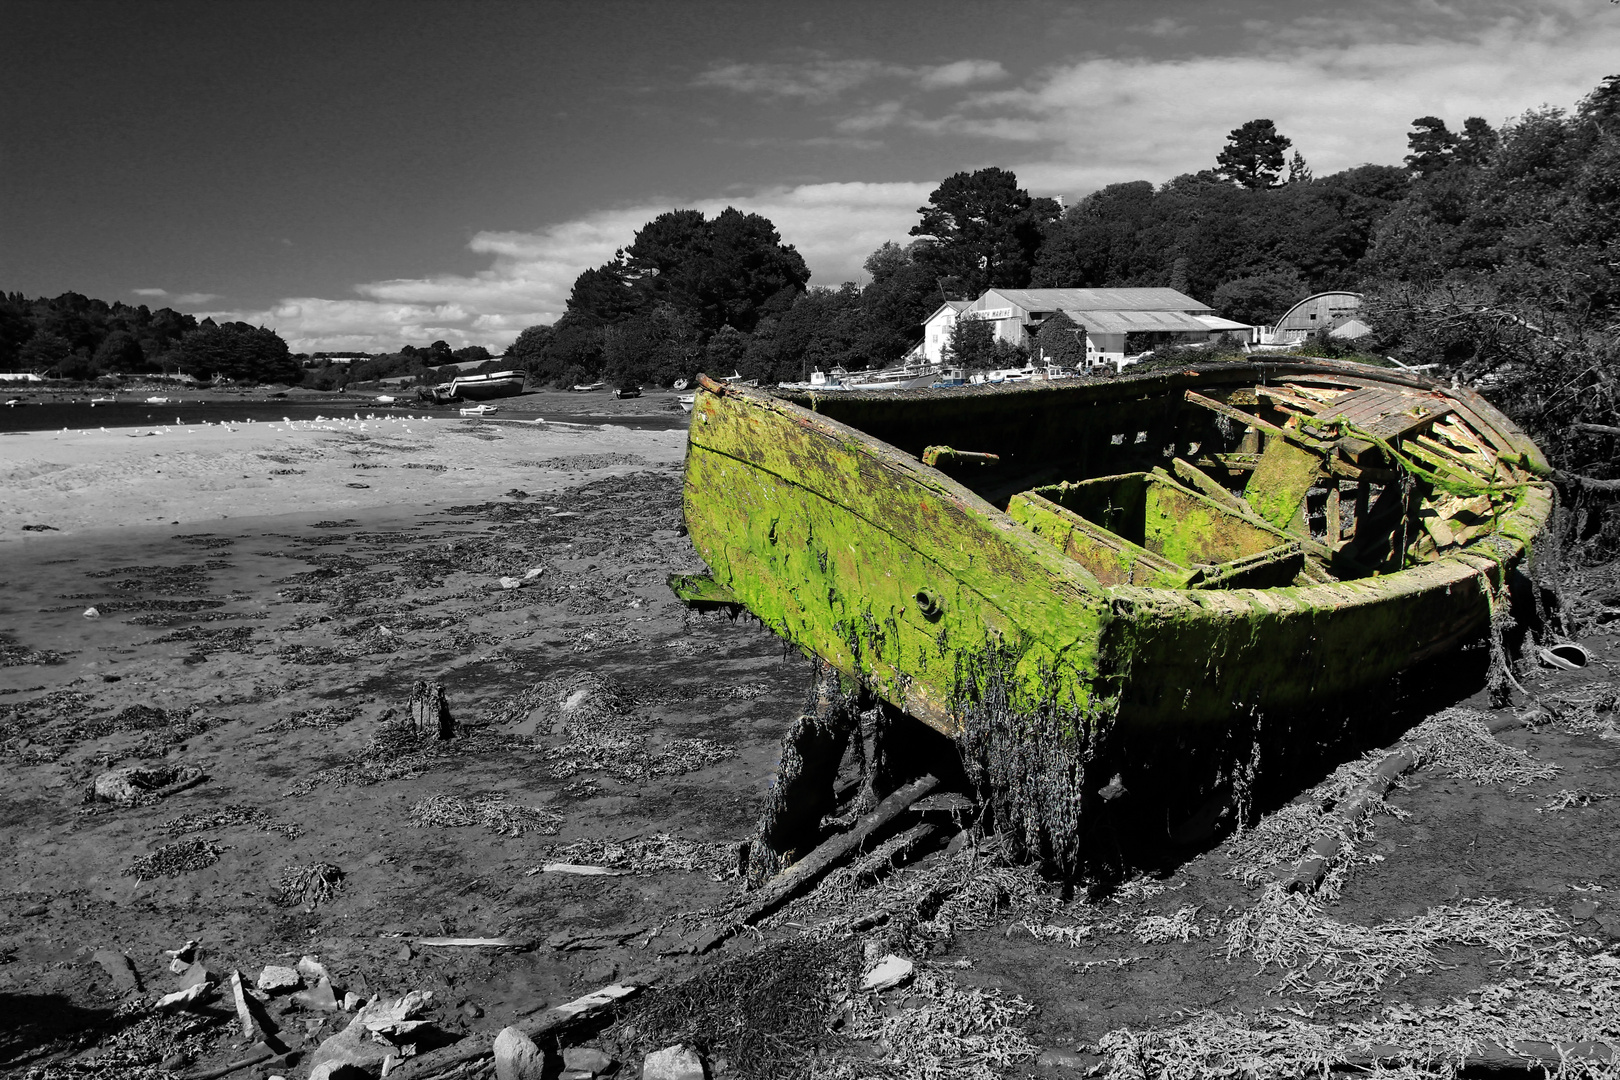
{"type": "Point", "coordinates": [266, 602]}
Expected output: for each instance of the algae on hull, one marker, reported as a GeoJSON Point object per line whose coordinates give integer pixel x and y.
{"type": "Point", "coordinates": [1074, 613]}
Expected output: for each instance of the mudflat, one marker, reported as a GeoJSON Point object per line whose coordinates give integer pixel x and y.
{"type": "Point", "coordinates": [222, 753]}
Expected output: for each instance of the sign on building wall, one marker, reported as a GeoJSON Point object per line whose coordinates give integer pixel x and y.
{"type": "Point", "coordinates": [992, 314]}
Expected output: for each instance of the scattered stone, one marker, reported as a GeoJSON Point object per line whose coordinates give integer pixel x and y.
{"type": "Point", "coordinates": [403, 952]}
{"type": "Point", "coordinates": [275, 979]}
{"type": "Point", "coordinates": [33, 909]}
{"type": "Point", "coordinates": [119, 969]}
{"type": "Point", "coordinates": [310, 967]}
{"type": "Point", "coordinates": [587, 1059]}
{"type": "Point", "coordinates": [1582, 910]}
{"type": "Point", "coordinates": [91, 613]}
{"type": "Point", "coordinates": [186, 999]}
{"type": "Point", "coordinates": [890, 972]}
{"type": "Point", "coordinates": [185, 952]}
{"type": "Point", "coordinates": [673, 1063]}
{"type": "Point", "coordinates": [351, 1001]}
{"type": "Point", "coordinates": [472, 1010]}
{"type": "Point", "coordinates": [517, 1057]}
{"type": "Point", "coordinates": [319, 997]}
{"type": "Point", "coordinates": [511, 583]}
{"type": "Point", "coordinates": [348, 1050]}
{"type": "Point", "coordinates": [175, 1062]}
{"type": "Point", "coordinates": [195, 974]}
{"type": "Point", "coordinates": [244, 1015]}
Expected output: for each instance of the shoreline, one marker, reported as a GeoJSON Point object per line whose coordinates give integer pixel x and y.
{"type": "Point", "coordinates": [56, 484]}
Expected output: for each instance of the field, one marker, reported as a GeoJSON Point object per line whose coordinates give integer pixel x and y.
{"type": "Point", "coordinates": [256, 652]}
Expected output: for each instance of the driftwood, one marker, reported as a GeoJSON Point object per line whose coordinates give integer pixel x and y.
{"type": "Point", "coordinates": [1598, 429]}
{"type": "Point", "coordinates": [1586, 483]}
{"type": "Point", "coordinates": [549, 1023]}
{"type": "Point", "coordinates": [804, 874]}
{"type": "Point", "coordinates": [1347, 818]}
{"type": "Point", "coordinates": [260, 1056]}
{"type": "Point", "coordinates": [1348, 814]}
{"type": "Point", "coordinates": [1519, 1058]}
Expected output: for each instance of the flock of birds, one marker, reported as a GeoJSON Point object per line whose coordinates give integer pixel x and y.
{"type": "Point", "coordinates": [291, 424]}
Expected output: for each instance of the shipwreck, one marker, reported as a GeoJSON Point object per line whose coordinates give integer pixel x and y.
{"type": "Point", "coordinates": [1116, 597]}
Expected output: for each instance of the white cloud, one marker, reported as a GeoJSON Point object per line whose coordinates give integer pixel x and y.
{"type": "Point", "coordinates": [960, 73]}
{"type": "Point", "coordinates": [1345, 91]}
{"type": "Point", "coordinates": [822, 78]}
{"type": "Point", "coordinates": [834, 226]}
{"type": "Point", "coordinates": [190, 299]}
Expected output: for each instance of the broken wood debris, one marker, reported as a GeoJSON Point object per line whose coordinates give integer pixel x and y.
{"type": "Point", "coordinates": [554, 1021]}
{"type": "Point", "coordinates": [804, 874]}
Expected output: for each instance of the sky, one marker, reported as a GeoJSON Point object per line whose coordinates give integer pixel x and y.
{"type": "Point", "coordinates": [363, 176]}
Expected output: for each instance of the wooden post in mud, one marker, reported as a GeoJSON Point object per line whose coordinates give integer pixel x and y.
{"type": "Point", "coordinates": [428, 711]}
{"type": "Point", "coordinates": [802, 793]}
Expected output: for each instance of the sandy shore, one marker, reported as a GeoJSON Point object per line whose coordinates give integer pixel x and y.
{"type": "Point", "coordinates": [71, 482]}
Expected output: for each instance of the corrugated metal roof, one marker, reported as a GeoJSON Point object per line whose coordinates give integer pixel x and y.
{"type": "Point", "coordinates": [1131, 322]}
{"type": "Point", "coordinates": [1215, 322]}
{"type": "Point", "coordinates": [1094, 300]}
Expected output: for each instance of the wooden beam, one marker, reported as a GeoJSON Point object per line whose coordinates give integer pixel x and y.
{"type": "Point", "coordinates": [804, 874]}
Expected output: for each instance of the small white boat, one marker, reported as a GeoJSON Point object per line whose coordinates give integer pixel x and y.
{"type": "Point", "coordinates": [13, 403]}
{"type": "Point", "coordinates": [157, 401]}
{"type": "Point", "coordinates": [384, 399]}
{"type": "Point", "coordinates": [687, 401]}
{"type": "Point", "coordinates": [586, 388]}
{"type": "Point", "coordinates": [480, 410]}
{"type": "Point", "coordinates": [103, 401]}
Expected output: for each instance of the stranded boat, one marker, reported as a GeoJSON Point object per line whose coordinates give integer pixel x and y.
{"type": "Point", "coordinates": [1125, 592]}
{"type": "Point", "coordinates": [494, 384]}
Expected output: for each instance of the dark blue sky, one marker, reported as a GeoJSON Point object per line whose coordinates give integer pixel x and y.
{"type": "Point", "coordinates": [370, 173]}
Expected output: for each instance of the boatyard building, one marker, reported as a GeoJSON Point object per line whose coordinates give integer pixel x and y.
{"type": "Point", "coordinates": [1110, 319]}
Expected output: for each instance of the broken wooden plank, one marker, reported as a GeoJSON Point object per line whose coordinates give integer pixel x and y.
{"type": "Point", "coordinates": [1277, 487]}
{"type": "Point", "coordinates": [804, 874]}
{"type": "Point", "coordinates": [1251, 420]}
{"type": "Point", "coordinates": [550, 1022]}
{"type": "Point", "coordinates": [1202, 481]}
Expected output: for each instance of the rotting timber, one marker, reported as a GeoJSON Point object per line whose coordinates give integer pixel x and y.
{"type": "Point", "coordinates": [1102, 590]}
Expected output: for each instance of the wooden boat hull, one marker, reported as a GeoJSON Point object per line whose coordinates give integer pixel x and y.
{"type": "Point", "coordinates": [482, 389]}
{"type": "Point", "coordinates": [944, 604]}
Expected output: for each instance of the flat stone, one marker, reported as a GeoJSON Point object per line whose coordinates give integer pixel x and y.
{"type": "Point", "coordinates": [587, 1059]}
{"type": "Point", "coordinates": [350, 1049]}
{"type": "Point", "coordinates": [119, 969]}
{"type": "Point", "coordinates": [517, 1057]}
{"type": "Point", "coordinates": [891, 971]}
{"type": "Point", "coordinates": [275, 979]}
{"type": "Point", "coordinates": [673, 1063]}
{"type": "Point", "coordinates": [196, 973]}
{"type": "Point", "coordinates": [319, 997]}
{"type": "Point", "coordinates": [1581, 910]}
{"type": "Point", "coordinates": [311, 968]}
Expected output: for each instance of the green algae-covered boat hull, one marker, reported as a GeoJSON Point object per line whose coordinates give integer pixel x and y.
{"type": "Point", "coordinates": [968, 596]}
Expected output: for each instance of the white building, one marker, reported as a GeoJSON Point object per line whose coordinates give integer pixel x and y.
{"type": "Point", "coordinates": [937, 331]}
{"type": "Point", "coordinates": [1105, 315]}
{"type": "Point", "coordinates": [1334, 312]}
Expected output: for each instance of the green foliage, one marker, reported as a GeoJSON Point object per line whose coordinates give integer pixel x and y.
{"type": "Point", "coordinates": [75, 329]}
{"type": "Point", "coordinates": [1262, 299]}
{"type": "Point", "coordinates": [119, 351]}
{"type": "Point", "coordinates": [237, 351]}
{"type": "Point", "coordinates": [983, 231]}
{"type": "Point", "coordinates": [1253, 155]}
{"type": "Point", "coordinates": [972, 343]}
{"type": "Point", "coordinates": [1061, 341]}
